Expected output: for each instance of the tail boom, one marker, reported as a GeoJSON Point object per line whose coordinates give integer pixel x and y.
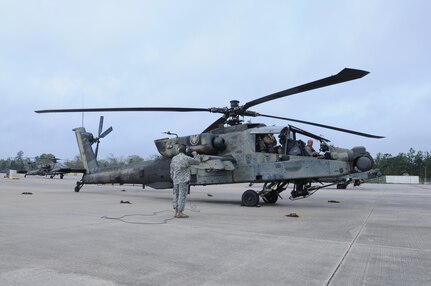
{"type": "Point", "coordinates": [88, 157]}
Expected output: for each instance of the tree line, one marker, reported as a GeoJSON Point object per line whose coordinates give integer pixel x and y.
{"type": "Point", "coordinates": [411, 163]}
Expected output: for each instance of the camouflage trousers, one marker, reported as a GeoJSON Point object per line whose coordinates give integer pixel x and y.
{"type": "Point", "coordinates": [180, 195]}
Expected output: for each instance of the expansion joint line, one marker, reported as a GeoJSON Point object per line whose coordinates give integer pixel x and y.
{"type": "Point", "coordinates": [349, 248]}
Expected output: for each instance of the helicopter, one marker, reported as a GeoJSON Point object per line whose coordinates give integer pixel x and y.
{"type": "Point", "coordinates": [231, 151]}
{"type": "Point", "coordinates": [52, 169]}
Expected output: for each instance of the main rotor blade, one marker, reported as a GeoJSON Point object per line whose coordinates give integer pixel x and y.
{"type": "Point", "coordinates": [346, 74]}
{"type": "Point", "coordinates": [215, 124]}
{"type": "Point", "coordinates": [115, 109]}
{"type": "Point", "coordinates": [325, 126]}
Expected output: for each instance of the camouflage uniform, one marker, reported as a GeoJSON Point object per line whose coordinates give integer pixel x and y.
{"type": "Point", "coordinates": [180, 174]}
{"type": "Point", "coordinates": [270, 143]}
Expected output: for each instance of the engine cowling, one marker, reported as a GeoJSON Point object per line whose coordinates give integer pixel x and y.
{"type": "Point", "coordinates": [206, 144]}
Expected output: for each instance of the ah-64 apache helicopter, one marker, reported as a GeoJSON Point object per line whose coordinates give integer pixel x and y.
{"type": "Point", "coordinates": [231, 151]}
{"type": "Point", "coordinates": [52, 168]}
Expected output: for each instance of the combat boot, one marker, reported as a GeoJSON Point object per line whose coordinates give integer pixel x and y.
{"type": "Point", "coordinates": [181, 215]}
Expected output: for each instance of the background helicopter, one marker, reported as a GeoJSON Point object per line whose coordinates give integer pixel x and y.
{"type": "Point", "coordinates": [50, 166]}
{"type": "Point", "coordinates": [231, 151]}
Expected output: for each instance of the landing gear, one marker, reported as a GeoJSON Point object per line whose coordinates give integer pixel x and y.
{"type": "Point", "coordinates": [271, 197]}
{"type": "Point", "coordinates": [78, 186]}
{"type": "Point", "coordinates": [304, 189]}
{"type": "Point", "coordinates": [299, 191]}
{"type": "Point", "coordinates": [342, 186]}
{"type": "Point", "coordinates": [250, 198]}
{"type": "Point", "coordinates": [269, 193]}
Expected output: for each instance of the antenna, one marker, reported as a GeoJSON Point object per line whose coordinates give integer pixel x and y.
{"type": "Point", "coordinates": [170, 133]}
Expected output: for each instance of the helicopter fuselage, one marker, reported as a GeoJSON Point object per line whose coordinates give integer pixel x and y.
{"type": "Point", "coordinates": [231, 150]}
{"type": "Point", "coordinates": [232, 155]}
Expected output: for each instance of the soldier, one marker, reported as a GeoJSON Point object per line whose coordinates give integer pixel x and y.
{"type": "Point", "coordinates": [309, 148]}
{"type": "Point", "coordinates": [270, 142]}
{"type": "Point", "coordinates": [180, 174]}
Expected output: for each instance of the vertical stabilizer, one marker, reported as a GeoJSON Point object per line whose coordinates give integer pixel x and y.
{"type": "Point", "coordinates": [88, 157]}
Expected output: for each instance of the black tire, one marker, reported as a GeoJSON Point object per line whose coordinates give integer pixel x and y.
{"type": "Point", "coordinates": [250, 198]}
{"type": "Point", "coordinates": [78, 187]}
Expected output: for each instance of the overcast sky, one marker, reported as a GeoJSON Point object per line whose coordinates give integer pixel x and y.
{"type": "Point", "coordinates": [74, 54]}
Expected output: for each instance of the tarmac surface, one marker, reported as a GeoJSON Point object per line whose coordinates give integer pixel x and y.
{"type": "Point", "coordinates": [375, 235]}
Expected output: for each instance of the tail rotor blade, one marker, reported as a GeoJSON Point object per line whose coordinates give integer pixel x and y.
{"type": "Point", "coordinates": [101, 135]}
{"type": "Point", "coordinates": [97, 149]}
{"type": "Point", "coordinates": [106, 132]}
{"type": "Point", "coordinates": [100, 126]}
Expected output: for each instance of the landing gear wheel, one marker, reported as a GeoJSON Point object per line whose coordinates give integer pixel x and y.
{"type": "Point", "coordinates": [250, 198]}
{"type": "Point", "coordinates": [78, 186]}
{"type": "Point", "coordinates": [271, 197]}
